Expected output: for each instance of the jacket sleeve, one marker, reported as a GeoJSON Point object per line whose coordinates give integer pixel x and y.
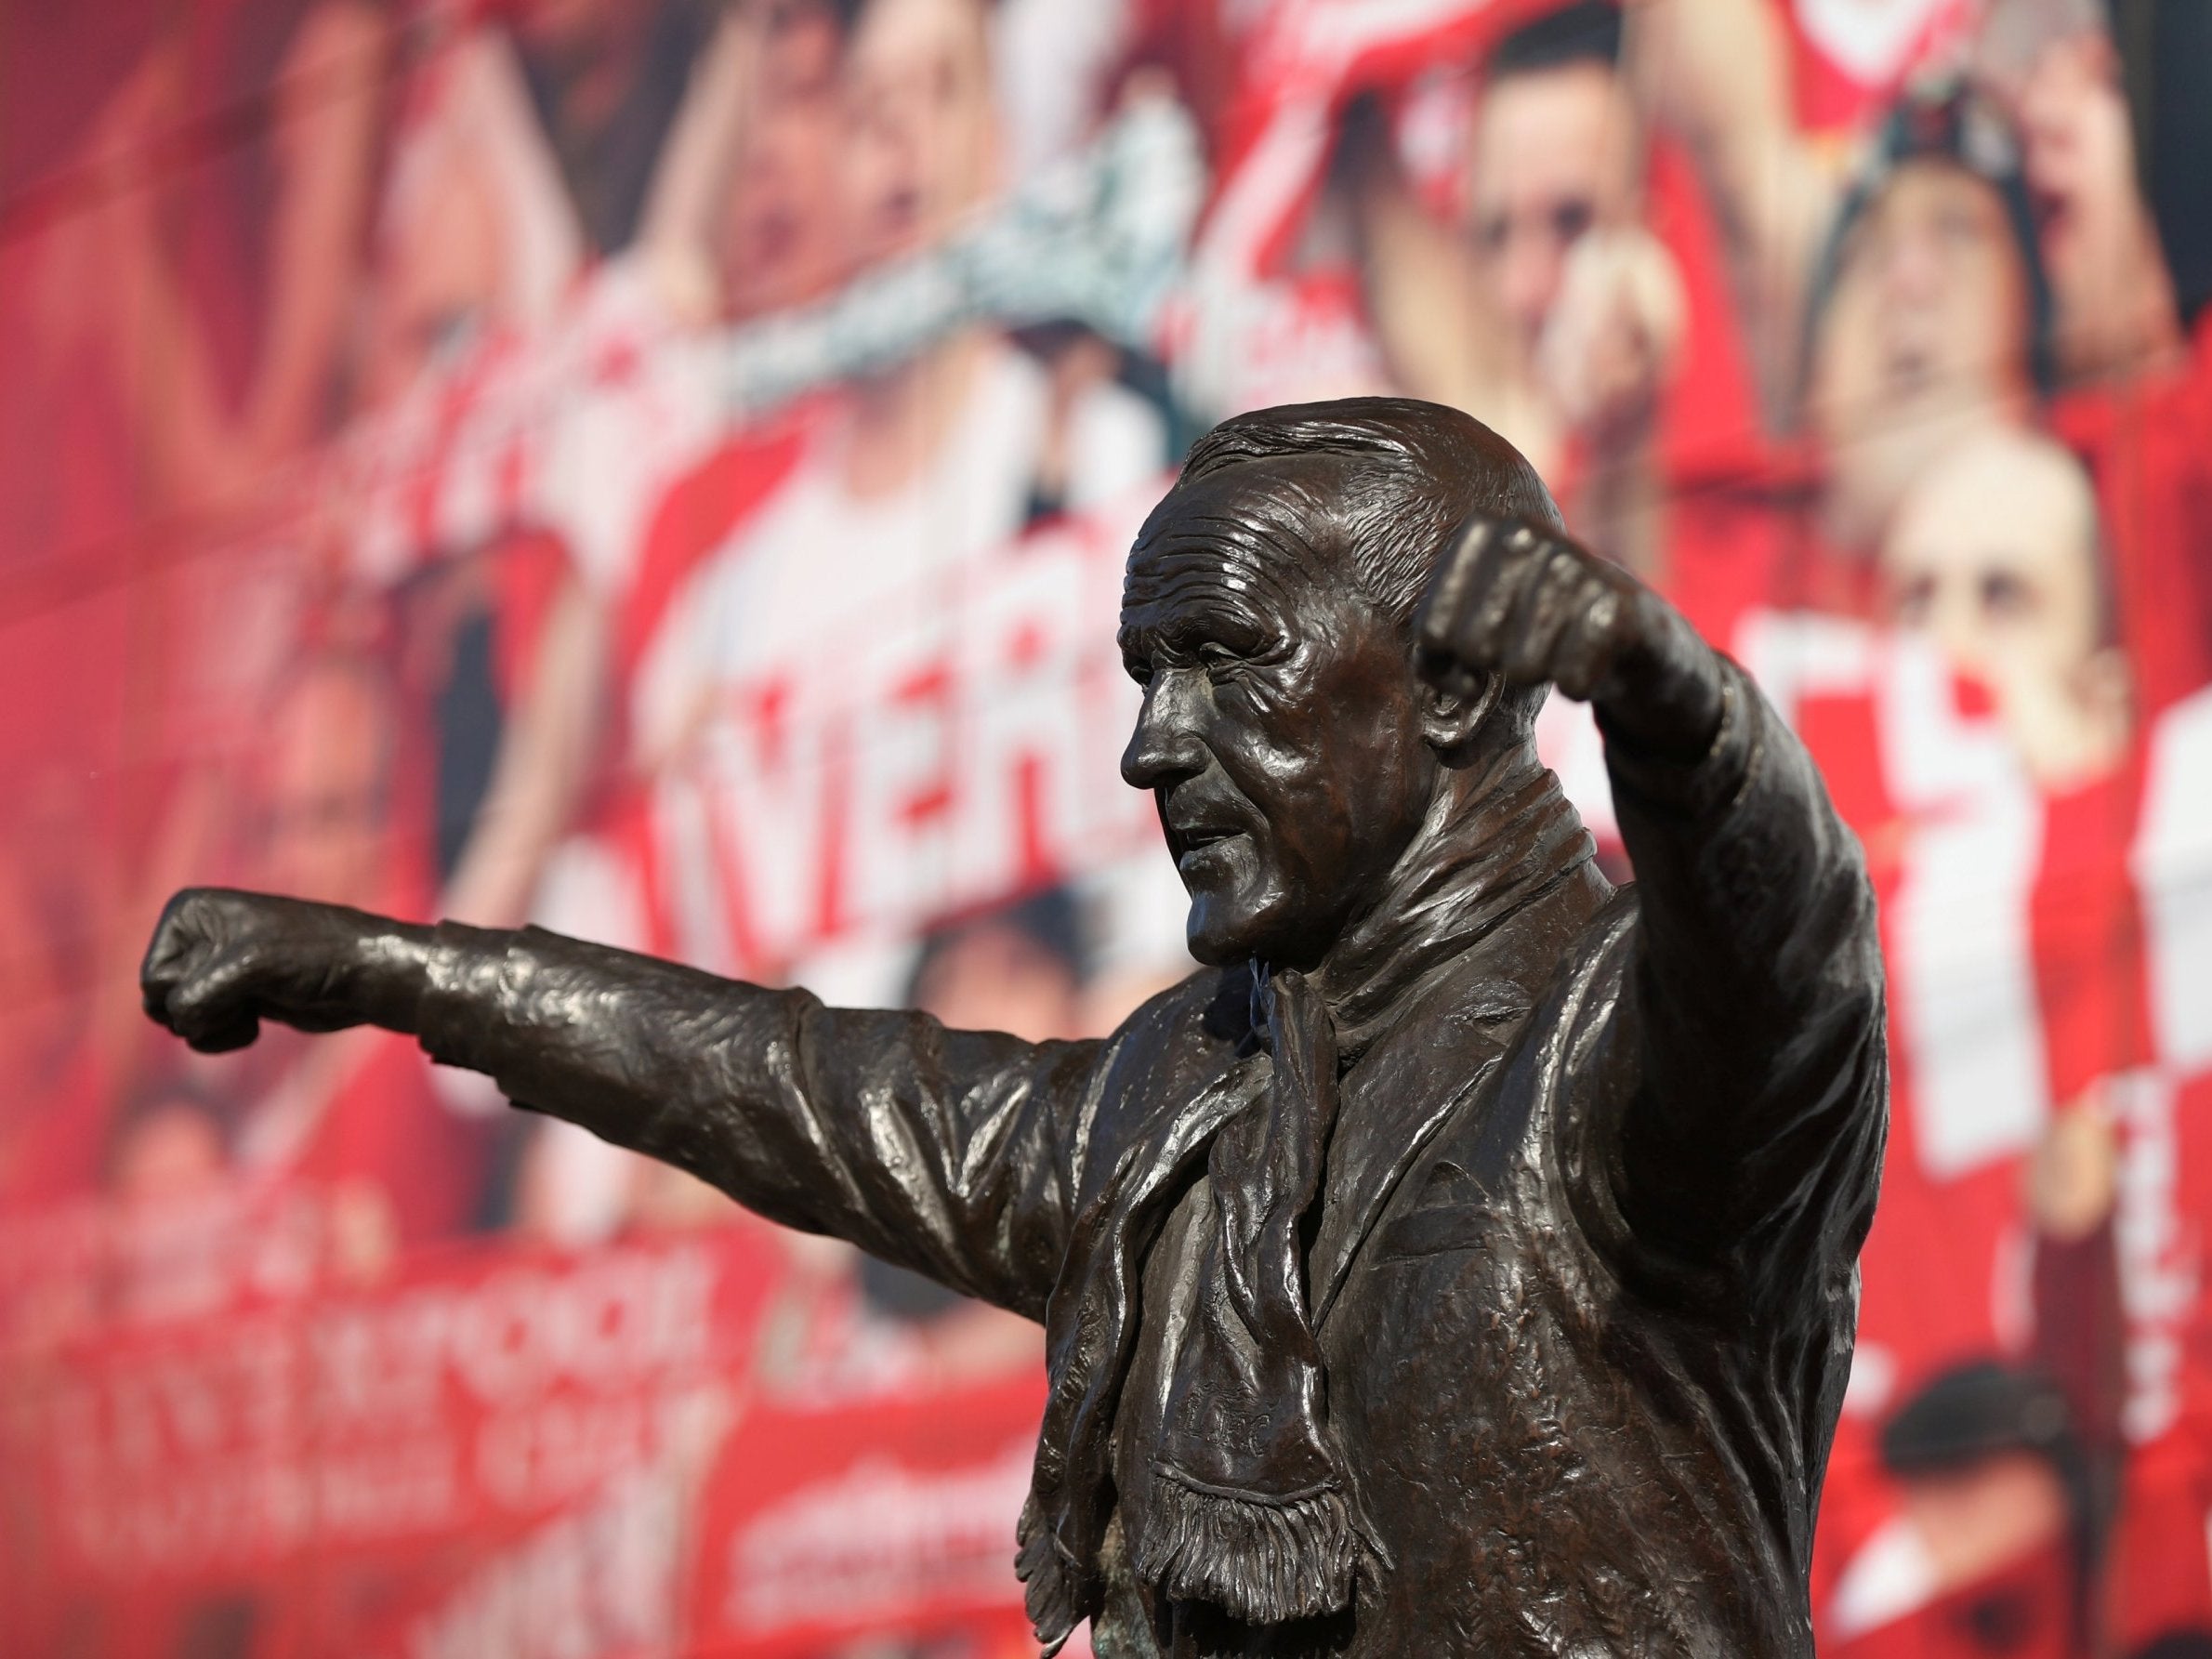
{"type": "Point", "coordinates": [950, 1152]}
{"type": "Point", "coordinates": [1754, 1125]}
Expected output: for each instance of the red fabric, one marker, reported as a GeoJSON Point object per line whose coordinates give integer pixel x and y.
{"type": "Point", "coordinates": [822, 1525]}
{"type": "Point", "coordinates": [1710, 407]}
{"type": "Point", "coordinates": [528, 571]}
{"type": "Point", "coordinates": [1945, 1257]}
{"type": "Point", "coordinates": [2159, 1566]}
{"type": "Point", "coordinates": [2088, 934]}
{"type": "Point", "coordinates": [2147, 444]}
{"type": "Point", "coordinates": [387, 1126]}
{"type": "Point", "coordinates": [1239, 64]}
{"type": "Point", "coordinates": [699, 513]}
{"type": "Point", "coordinates": [334, 1465]}
{"type": "Point", "coordinates": [2024, 1611]}
{"type": "Point", "coordinates": [1837, 90]}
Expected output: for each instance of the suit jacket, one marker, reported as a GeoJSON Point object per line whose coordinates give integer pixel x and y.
{"type": "Point", "coordinates": [1584, 1272]}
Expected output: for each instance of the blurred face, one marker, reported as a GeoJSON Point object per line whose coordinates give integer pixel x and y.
{"type": "Point", "coordinates": [1553, 157]}
{"type": "Point", "coordinates": [325, 810]}
{"type": "Point", "coordinates": [444, 267]}
{"type": "Point", "coordinates": [922, 141]}
{"type": "Point", "coordinates": [1930, 306]}
{"type": "Point", "coordinates": [780, 244]}
{"type": "Point", "coordinates": [562, 22]}
{"type": "Point", "coordinates": [1996, 1510]}
{"type": "Point", "coordinates": [1995, 556]}
{"type": "Point", "coordinates": [174, 1151]}
{"type": "Point", "coordinates": [993, 976]}
{"type": "Point", "coordinates": [1278, 734]}
{"type": "Point", "coordinates": [595, 41]}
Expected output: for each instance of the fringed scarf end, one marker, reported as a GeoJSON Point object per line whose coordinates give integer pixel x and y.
{"type": "Point", "coordinates": [1260, 1562]}
{"type": "Point", "coordinates": [1050, 1593]}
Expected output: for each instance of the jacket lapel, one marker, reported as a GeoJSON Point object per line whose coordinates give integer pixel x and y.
{"type": "Point", "coordinates": [1438, 1056]}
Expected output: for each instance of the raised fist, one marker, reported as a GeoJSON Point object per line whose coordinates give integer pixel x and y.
{"type": "Point", "coordinates": [1520, 603]}
{"type": "Point", "coordinates": [222, 961]}
{"type": "Point", "coordinates": [1613, 334]}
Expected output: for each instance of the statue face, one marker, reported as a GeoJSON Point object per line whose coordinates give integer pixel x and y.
{"type": "Point", "coordinates": [1281, 732]}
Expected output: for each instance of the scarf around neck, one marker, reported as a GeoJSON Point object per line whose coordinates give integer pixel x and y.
{"type": "Point", "coordinates": [1249, 1507]}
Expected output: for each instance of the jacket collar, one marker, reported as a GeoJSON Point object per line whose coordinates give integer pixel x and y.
{"type": "Point", "coordinates": [1509, 838]}
{"type": "Point", "coordinates": [1429, 991]}
{"type": "Point", "coordinates": [1445, 1050]}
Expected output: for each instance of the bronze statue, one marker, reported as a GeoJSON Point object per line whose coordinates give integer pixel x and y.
{"type": "Point", "coordinates": [1465, 1261]}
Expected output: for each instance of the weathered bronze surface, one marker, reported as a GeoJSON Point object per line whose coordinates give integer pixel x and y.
{"type": "Point", "coordinates": [1465, 1261]}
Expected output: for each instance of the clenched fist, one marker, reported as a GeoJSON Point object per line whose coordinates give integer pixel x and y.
{"type": "Point", "coordinates": [223, 961]}
{"type": "Point", "coordinates": [1514, 601]}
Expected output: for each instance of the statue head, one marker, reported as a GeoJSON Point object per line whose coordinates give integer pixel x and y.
{"type": "Point", "coordinates": [1296, 755]}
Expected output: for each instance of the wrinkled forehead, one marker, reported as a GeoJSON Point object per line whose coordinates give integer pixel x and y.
{"type": "Point", "coordinates": [1267, 532]}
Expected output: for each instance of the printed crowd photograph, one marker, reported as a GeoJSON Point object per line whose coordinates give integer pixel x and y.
{"type": "Point", "coordinates": [839, 829]}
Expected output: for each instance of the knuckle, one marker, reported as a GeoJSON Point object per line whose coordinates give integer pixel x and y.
{"type": "Point", "coordinates": [196, 906]}
{"type": "Point", "coordinates": [1477, 536]}
{"type": "Point", "coordinates": [1601, 615]}
{"type": "Point", "coordinates": [1534, 657]}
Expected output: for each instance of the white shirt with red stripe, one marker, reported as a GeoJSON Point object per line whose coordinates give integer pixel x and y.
{"type": "Point", "coordinates": [2046, 954]}
{"type": "Point", "coordinates": [815, 673]}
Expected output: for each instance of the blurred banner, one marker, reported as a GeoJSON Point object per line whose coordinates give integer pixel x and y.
{"type": "Point", "coordinates": [661, 468]}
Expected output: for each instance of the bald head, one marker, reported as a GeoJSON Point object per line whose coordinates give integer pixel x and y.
{"type": "Point", "coordinates": [1382, 482]}
{"type": "Point", "coordinates": [1996, 550]}
{"type": "Point", "coordinates": [1293, 749]}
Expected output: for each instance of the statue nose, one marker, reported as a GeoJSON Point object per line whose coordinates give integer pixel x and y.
{"type": "Point", "coordinates": [1164, 747]}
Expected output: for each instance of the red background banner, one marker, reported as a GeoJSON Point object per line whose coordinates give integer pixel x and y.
{"type": "Point", "coordinates": [661, 469]}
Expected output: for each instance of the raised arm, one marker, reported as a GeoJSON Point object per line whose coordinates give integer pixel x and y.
{"type": "Point", "coordinates": [1756, 988]}
{"type": "Point", "coordinates": [1715, 74]}
{"type": "Point", "coordinates": [946, 1151]}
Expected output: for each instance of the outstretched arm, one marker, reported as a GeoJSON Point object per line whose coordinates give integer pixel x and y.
{"type": "Point", "coordinates": [1715, 74]}
{"type": "Point", "coordinates": [1758, 983]}
{"type": "Point", "coordinates": [946, 1151]}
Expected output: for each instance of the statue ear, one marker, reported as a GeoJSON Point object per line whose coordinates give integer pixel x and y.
{"type": "Point", "coordinates": [1452, 720]}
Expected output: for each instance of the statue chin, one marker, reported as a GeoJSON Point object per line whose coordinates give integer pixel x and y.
{"type": "Point", "coordinates": [1219, 932]}
{"type": "Point", "coordinates": [1229, 928]}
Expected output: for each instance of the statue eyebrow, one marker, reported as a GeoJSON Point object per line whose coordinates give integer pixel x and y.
{"type": "Point", "coordinates": [1182, 633]}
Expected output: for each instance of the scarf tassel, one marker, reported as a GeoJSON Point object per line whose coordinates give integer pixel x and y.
{"type": "Point", "coordinates": [1263, 1562]}
{"type": "Point", "coordinates": [1049, 1592]}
